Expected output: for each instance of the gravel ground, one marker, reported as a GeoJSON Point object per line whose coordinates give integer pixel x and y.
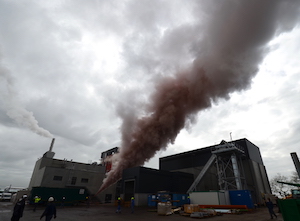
{"type": "Point", "coordinates": [107, 212]}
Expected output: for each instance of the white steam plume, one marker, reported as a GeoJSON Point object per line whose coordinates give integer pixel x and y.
{"type": "Point", "coordinates": [12, 105]}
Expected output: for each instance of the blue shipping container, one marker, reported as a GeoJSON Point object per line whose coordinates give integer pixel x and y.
{"type": "Point", "coordinates": [180, 199]}
{"type": "Point", "coordinates": [152, 200]}
{"type": "Point", "coordinates": [241, 197]}
{"type": "Point", "coordinates": [164, 197]}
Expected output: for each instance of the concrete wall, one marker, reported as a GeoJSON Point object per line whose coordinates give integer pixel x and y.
{"type": "Point", "coordinates": [89, 176]}
{"type": "Point", "coordinates": [210, 198]}
{"type": "Point", "coordinates": [87, 179]}
{"type": "Point", "coordinates": [37, 175]}
{"type": "Point", "coordinates": [141, 199]}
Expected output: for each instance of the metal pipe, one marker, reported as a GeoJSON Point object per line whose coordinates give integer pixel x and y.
{"type": "Point", "coordinates": [296, 162]}
{"type": "Point", "coordinates": [236, 172]}
{"type": "Point", "coordinates": [51, 146]}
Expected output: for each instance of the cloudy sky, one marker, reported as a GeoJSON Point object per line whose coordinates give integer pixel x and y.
{"type": "Point", "coordinates": [77, 70]}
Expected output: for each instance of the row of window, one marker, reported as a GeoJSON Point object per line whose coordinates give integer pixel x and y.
{"type": "Point", "coordinates": [73, 180]}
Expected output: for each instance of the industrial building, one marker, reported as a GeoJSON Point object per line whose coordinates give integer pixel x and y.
{"type": "Point", "coordinates": [141, 182]}
{"type": "Point", "coordinates": [236, 165]}
{"type": "Point", "coordinates": [65, 174]}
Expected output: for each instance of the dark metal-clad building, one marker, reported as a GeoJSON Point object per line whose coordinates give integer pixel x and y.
{"type": "Point", "coordinates": [141, 181]}
{"type": "Point", "coordinates": [253, 172]}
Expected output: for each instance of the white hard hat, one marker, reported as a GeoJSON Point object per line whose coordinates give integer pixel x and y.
{"type": "Point", "coordinates": [51, 199]}
{"type": "Point", "coordinates": [24, 196]}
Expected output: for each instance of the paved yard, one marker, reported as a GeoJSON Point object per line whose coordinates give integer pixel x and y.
{"type": "Point", "coordinates": [107, 212]}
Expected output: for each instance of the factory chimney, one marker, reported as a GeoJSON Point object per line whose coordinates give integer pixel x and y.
{"type": "Point", "coordinates": [49, 153]}
{"type": "Point", "coordinates": [51, 146]}
{"type": "Point", "coordinates": [296, 162]}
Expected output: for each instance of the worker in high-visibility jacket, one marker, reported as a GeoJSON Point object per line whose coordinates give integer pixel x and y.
{"type": "Point", "coordinates": [36, 200]}
{"type": "Point", "coordinates": [132, 205]}
{"type": "Point", "coordinates": [119, 205]}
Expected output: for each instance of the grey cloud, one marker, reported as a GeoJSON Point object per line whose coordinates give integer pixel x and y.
{"type": "Point", "coordinates": [44, 48]}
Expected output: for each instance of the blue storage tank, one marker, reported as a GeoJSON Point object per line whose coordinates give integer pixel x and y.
{"type": "Point", "coordinates": [152, 200]}
{"type": "Point", "coordinates": [241, 197]}
{"type": "Point", "coordinates": [180, 199]}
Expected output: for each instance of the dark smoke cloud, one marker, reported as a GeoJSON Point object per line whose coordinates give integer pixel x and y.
{"type": "Point", "coordinates": [229, 43]}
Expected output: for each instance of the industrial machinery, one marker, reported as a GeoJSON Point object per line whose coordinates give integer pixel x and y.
{"type": "Point", "coordinates": [229, 169]}
{"type": "Point", "coordinates": [290, 208]}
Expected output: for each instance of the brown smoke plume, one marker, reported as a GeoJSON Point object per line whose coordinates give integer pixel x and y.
{"type": "Point", "coordinates": [232, 45]}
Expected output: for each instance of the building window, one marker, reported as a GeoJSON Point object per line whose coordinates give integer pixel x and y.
{"type": "Point", "coordinates": [73, 181]}
{"type": "Point", "coordinates": [84, 180]}
{"type": "Point", "coordinates": [57, 178]}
